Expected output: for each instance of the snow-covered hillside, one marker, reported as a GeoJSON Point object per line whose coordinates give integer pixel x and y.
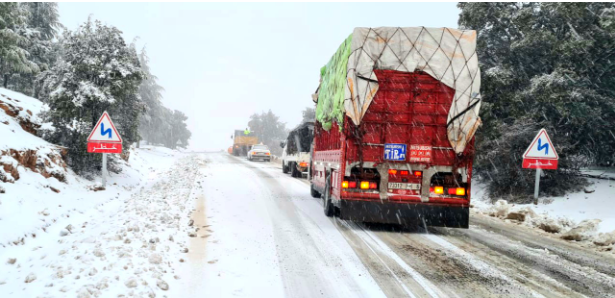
{"type": "Point", "coordinates": [36, 187]}
{"type": "Point", "coordinates": [45, 208]}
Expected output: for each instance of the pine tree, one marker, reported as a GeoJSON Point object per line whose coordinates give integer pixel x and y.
{"type": "Point", "coordinates": [14, 39]}
{"type": "Point", "coordinates": [544, 65]}
{"type": "Point", "coordinates": [96, 72]}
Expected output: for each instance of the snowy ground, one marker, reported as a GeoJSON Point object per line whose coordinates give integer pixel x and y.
{"type": "Point", "coordinates": [581, 216]}
{"type": "Point", "coordinates": [121, 241]}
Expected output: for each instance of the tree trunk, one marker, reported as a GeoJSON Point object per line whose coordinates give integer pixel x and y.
{"type": "Point", "coordinates": [6, 80]}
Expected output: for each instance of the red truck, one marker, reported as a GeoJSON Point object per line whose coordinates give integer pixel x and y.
{"type": "Point", "coordinates": [398, 165]}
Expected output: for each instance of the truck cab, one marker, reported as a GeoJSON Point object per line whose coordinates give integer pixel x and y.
{"type": "Point", "coordinates": [296, 154]}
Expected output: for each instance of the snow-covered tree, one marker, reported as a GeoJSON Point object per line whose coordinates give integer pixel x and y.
{"type": "Point", "coordinates": [14, 40]}
{"type": "Point", "coordinates": [544, 65]}
{"type": "Point", "coordinates": [43, 23]}
{"type": "Point", "coordinates": [269, 130]}
{"type": "Point", "coordinates": [96, 72]}
{"type": "Point", "coordinates": [309, 115]}
{"type": "Point", "coordinates": [158, 124]}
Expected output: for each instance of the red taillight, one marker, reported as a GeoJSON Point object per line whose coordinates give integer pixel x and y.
{"type": "Point", "coordinates": [404, 173]}
{"type": "Point", "coordinates": [418, 173]}
{"type": "Point", "coordinates": [459, 191]}
{"type": "Point", "coordinates": [373, 185]}
{"type": "Point", "coordinates": [392, 171]}
{"type": "Point", "coordinates": [303, 164]}
{"type": "Point", "coordinates": [349, 184]}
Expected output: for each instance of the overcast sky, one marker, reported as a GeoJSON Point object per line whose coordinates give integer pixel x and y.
{"type": "Point", "coordinates": [220, 63]}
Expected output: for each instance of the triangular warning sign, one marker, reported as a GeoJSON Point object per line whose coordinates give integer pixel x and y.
{"type": "Point", "coordinates": [105, 131]}
{"type": "Point", "coordinates": [541, 147]}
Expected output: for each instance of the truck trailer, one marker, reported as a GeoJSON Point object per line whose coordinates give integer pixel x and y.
{"type": "Point", "coordinates": [242, 141]}
{"type": "Point", "coordinates": [396, 113]}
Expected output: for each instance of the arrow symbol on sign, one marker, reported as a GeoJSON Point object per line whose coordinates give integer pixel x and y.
{"type": "Point", "coordinates": [545, 146]}
{"type": "Point", "coordinates": [108, 131]}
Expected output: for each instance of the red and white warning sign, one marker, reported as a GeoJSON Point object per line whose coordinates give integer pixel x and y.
{"type": "Point", "coordinates": [104, 138]}
{"type": "Point", "coordinates": [541, 153]}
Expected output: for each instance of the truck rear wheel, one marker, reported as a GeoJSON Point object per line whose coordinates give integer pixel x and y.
{"type": "Point", "coordinates": [294, 171]}
{"type": "Point", "coordinates": [326, 199]}
{"type": "Point", "coordinates": [314, 192]}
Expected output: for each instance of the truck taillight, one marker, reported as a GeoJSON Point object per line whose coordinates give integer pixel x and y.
{"type": "Point", "coordinates": [457, 191]}
{"type": "Point", "coordinates": [303, 164]}
{"type": "Point", "coordinates": [268, 153]}
{"type": "Point", "coordinates": [364, 184]}
{"type": "Point", "coordinates": [373, 185]}
{"type": "Point", "coordinates": [404, 173]}
{"type": "Point", "coordinates": [460, 191]}
{"type": "Point", "coordinates": [392, 171]}
{"type": "Point", "coordinates": [349, 184]}
{"type": "Point", "coordinates": [418, 173]}
{"type": "Point", "coordinates": [438, 190]}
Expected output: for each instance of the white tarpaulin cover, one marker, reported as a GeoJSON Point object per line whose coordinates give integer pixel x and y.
{"type": "Point", "coordinates": [448, 55]}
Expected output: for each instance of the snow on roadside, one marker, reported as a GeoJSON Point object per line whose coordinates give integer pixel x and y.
{"type": "Point", "coordinates": [128, 245]}
{"type": "Point", "coordinates": [587, 216]}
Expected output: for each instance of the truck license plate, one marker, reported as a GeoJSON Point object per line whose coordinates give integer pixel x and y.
{"type": "Point", "coordinates": [395, 152]}
{"type": "Point", "coordinates": [407, 186]}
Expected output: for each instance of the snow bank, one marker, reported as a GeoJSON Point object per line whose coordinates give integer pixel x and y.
{"type": "Point", "coordinates": [124, 241]}
{"type": "Point", "coordinates": [587, 215]}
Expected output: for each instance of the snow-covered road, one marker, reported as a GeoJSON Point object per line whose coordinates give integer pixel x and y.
{"type": "Point", "coordinates": [272, 237]}
{"type": "Point", "coordinates": [213, 225]}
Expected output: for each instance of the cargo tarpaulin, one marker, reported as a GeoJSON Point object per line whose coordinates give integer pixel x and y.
{"type": "Point", "coordinates": [448, 55]}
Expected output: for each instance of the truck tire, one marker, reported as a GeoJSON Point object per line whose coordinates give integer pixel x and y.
{"type": "Point", "coordinates": [326, 199]}
{"type": "Point", "coordinates": [295, 172]}
{"type": "Point", "coordinates": [313, 192]}
{"type": "Point", "coordinates": [284, 168]}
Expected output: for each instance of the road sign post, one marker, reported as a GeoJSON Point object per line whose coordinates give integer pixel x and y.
{"type": "Point", "coordinates": [104, 139]}
{"type": "Point", "coordinates": [540, 155]}
{"type": "Point", "coordinates": [104, 171]}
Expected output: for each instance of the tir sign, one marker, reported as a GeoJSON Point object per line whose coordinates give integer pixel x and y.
{"type": "Point", "coordinates": [104, 138]}
{"type": "Point", "coordinates": [541, 153]}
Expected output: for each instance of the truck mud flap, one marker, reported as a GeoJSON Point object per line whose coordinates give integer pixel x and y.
{"type": "Point", "coordinates": [406, 214]}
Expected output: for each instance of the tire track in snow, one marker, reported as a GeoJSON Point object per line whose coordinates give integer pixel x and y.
{"type": "Point", "coordinates": [376, 244]}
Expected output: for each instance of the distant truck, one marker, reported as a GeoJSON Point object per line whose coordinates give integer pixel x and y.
{"type": "Point", "coordinates": [296, 150]}
{"type": "Point", "coordinates": [396, 113]}
{"type": "Point", "coordinates": [242, 142]}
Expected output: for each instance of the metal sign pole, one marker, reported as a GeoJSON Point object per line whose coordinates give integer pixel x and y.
{"type": "Point", "coordinates": [104, 171]}
{"type": "Point", "coordinates": [536, 185]}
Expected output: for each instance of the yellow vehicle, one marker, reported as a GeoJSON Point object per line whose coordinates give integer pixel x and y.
{"type": "Point", "coordinates": [243, 141]}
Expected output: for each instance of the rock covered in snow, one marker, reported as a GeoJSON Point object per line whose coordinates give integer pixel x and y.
{"type": "Point", "coordinates": [522, 214]}
{"type": "Point", "coordinates": [163, 285]}
{"type": "Point", "coordinates": [583, 231]}
{"type": "Point", "coordinates": [605, 239]}
{"type": "Point", "coordinates": [500, 209]}
{"type": "Point", "coordinates": [131, 282]}
{"type": "Point", "coordinates": [155, 258]}
{"type": "Point", "coordinates": [64, 232]}
{"type": "Point", "coordinates": [30, 278]}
